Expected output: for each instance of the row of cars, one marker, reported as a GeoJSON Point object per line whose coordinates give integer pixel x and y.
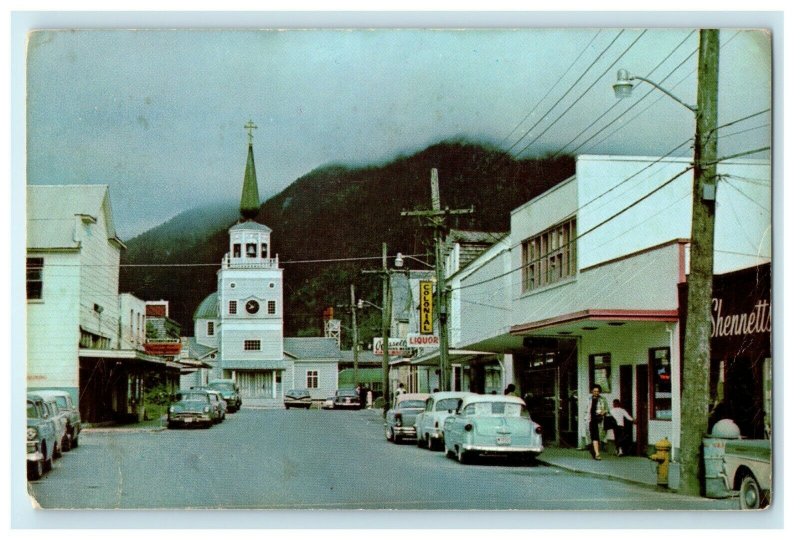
{"type": "Point", "coordinates": [204, 406]}
{"type": "Point", "coordinates": [345, 398]}
{"type": "Point", "coordinates": [53, 427]}
{"type": "Point", "coordinates": [465, 425]}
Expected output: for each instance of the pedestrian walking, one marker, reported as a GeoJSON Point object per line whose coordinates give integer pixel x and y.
{"type": "Point", "coordinates": [362, 397]}
{"type": "Point", "coordinates": [511, 390]}
{"type": "Point", "coordinates": [401, 389]}
{"type": "Point", "coordinates": [369, 399]}
{"type": "Point", "coordinates": [595, 415]}
{"type": "Point", "coordinates": [621, 416]}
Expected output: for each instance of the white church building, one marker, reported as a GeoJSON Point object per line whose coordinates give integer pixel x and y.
{"type": "Point", "coordinates": [240, 325]}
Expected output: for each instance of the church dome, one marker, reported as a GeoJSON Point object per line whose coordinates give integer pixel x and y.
{"type": "Point", "coordinates": [208, 308]}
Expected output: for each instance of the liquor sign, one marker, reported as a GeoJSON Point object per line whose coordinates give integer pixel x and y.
{"type": "Point", "coordinates": [426, 307]}
{"type": "Point", "coordinates": [421, 341]}
{"type": "Point", "coordinates": [397, 346]}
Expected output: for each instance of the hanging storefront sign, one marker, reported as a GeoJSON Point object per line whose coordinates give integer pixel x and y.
{"type": "Point", "coordinates": [421, 341]}
{"type": "Point", "coordinates": [426, 307]}
{"type": "Point", "coordinates": [397, 346]}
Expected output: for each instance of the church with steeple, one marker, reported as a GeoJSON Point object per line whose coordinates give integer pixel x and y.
{"type": "Point", "coordinates": [239, 331]}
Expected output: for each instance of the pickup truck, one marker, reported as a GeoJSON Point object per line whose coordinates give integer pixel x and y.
{"type": "Point", "coordinates": [742, 467]}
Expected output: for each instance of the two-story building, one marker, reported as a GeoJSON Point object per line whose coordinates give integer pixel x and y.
{"type": "Point", "coordinates": [584, 289]}
{"type": "Point", "coordinates": [83, 337]}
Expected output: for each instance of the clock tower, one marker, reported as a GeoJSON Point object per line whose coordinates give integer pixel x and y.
{"type": "Point", "coordinates": [250, 296]}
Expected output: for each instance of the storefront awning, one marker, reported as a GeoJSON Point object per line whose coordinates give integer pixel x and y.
{"type": "Point", "coordinates": [456, 356]}
{"type": "Point", "coordinates": [126, 355]}
{"type": "Point", "coordinates": [574, 322]}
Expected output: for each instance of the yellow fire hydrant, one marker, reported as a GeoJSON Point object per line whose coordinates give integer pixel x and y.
{"type": "Point", "coordinates": [661, 457]}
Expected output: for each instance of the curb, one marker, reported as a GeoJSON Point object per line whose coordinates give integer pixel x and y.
{"type": "Point", "coordinates": [124, 430]}
{"type": "Point", "coordinates": [603, 475]}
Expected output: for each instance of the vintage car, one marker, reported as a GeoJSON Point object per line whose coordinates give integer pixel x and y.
{"type": "Point", "coordinates": [736, 466]}
{"type": "Point", "coordinates": [59, 420]}
{"type": "Point", "coordinates": [69, 411]}
{"type": "Point", "coordinates": [230, 392]}
{"type": "Point", "coordinates": [430, 422]}
{"type": "Point", "coordinates": [193, 407]}
{"type": "Point", "coordinates": [492, 425]}
{"type": "Point", "coordinates": [297, 398]}
{"type": "Point", "coordinates": [346, 398]}
{"type": "Point", "coordinates": [217, 401]}
{"type": "Point", "coordinates": [399, 422]}
{"type": "Point", "coordinates": [41, 437]}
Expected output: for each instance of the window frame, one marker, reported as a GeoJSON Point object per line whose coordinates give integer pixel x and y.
{"type": "Point", "coordinates": [251, 345]}
{"type": "Point", "coordinates": [272, 307]}
{"type": "Point", "coordinates": [550, 256]}
{"type": "Point", "coordinates": [312, 379]}
{"type": "Point", "coordinates": [210, 328]}
{"type": "Point", "coordinates": [233, 307]}
{"type": "Point", "coordinates": [653, 374]}
{"type": "Point", "coordinates": [594, 365]}
{"type": "Point", "coordinates": [34, 268]}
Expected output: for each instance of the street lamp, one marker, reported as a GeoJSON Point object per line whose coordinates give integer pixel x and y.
{"type": "Point", "coordinates": [362, 302]}
{"type": "Point", "coordinates": [398, 260]}
{"type": "Point", "coordinates": [697, 341]}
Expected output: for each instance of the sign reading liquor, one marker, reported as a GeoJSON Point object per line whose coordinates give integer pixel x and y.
{"type": "Point", "coordinates": [420, 341]}
{"type": "Point", "coordinates": [426, 307]}
{"type": "Point", "coordinates": [397, 346]}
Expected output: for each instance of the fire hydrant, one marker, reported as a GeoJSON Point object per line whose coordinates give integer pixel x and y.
{"type": "Point", "coordinates": [661, 457]}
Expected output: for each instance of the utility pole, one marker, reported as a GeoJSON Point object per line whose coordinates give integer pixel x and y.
{"type": "Point", "coordinates": [437, 218]}
{"type": "Point", "coordinates": [386, 319]}
{"type": "Point", "coordinates": [697, 346]}
{"type": "Point", "coordinates": [355, 333]}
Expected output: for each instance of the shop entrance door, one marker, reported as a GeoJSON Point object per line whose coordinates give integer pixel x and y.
{"type": "Point", "coordinates": [540, 391]}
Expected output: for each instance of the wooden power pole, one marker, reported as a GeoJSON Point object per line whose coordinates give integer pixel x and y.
{"type": "Point", "coordinates": [355, 333]}
{"type": "Point", "coordinates": [437, 218]}
{"type": "Point", "coordinates": [697, 342]}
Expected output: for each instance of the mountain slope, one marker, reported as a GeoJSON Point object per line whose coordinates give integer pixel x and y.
{"type": "Point", "coordinates": [338, 212]}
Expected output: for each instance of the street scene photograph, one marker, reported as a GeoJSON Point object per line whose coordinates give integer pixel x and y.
{"type": "Point", "coordinates": [398, 269]}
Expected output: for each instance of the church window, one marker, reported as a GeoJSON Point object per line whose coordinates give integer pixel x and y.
{"type": "Point", "coordinates": [271, 307]}
{"type": "Point", "coordinates": [251, 251]}
{"type": "Point", "coordinates": [252, 344]}
{"type": "Point", "coordinates": [232, 307]}
{"type": "Point", "coordinates": [210, 328]}
{"type": "Point", "coordinates": [237, 250]}
{"type": "Point", "coordinates": [263, 251]}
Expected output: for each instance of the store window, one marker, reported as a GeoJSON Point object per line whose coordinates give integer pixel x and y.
{"type": "Point", "coordinates": [312, 379]}
{"type": "Point", "coordinates": [600, 371]}
{"type": "Point", "coordinates": [549, 257]}
{"type": "Point", "coordinates": [34, 269]}
{"type": "Point", "coordinates": [660, 384]}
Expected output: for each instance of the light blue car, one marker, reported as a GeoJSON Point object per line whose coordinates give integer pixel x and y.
{"type": "Point", "coordinates": [430, 422]}
{"type": "Point", "coordinates": [492, 425]}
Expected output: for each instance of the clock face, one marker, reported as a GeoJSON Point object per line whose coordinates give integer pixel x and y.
{"type": "Point", "coordinates": [251, 306]}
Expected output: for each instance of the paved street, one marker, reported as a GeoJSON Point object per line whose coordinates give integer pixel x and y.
{"type": "Point", "coordinates": [314, 459]}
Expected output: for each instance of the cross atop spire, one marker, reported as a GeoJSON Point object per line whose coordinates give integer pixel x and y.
{"type": "Point", "coordinates": [250, 126]}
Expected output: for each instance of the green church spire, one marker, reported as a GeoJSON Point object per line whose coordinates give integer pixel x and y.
{"type": "Point", "coordinates": [250, 204]}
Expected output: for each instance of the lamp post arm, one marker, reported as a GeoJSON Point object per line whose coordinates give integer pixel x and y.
{"type": "Point", "coordinates": [670, 94]}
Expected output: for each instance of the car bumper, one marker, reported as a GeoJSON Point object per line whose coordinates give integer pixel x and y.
{"type": "Point", "coordinates": [346, 406]}
{"type": "Point", "coordinates": [301, 404]}
{"type": "Point", "coordinates": [405, 431]}
{"type": "Point", "coordinates": [499, 449]}
{"type": "Point", "coordinates": [195, 419]}
{"type": "Point", "coordinates": [34, 454]}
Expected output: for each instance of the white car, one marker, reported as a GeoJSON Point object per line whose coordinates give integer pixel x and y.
{"type": "Point", "coordinates": [430, 422]}
{"type": "Point", "coordinates": [492, 425]}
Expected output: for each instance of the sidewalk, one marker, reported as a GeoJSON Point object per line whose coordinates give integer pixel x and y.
{"type": "Point", "coordinates": [635, 469]}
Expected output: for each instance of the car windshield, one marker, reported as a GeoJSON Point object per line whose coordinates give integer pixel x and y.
{"type": "Point", "coordinates": [412, 404]}
{"type": "Point", "coordinates": [194, 396]}
{"type": "Point", "coordinates": [32, 411]}
{"type": "Point", "coordinates": [449, 404]}
{"type": "Point", "coordinates": [62, 402]}
{"type": "Point", "coordinates": [224, 386]}
{"type": "Point", "coordinates": [495, 408]}
{"type": "Point", "coordinates": [350, 393]}
{"type": "Point", "coordinates": [298, 393]}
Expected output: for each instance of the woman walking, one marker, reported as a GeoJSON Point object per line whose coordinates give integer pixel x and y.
{"type": "Point", "coordinates": [595, 414]}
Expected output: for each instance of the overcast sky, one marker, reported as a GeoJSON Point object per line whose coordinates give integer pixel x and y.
{"type": "Point", "coordinates": [159, 114]}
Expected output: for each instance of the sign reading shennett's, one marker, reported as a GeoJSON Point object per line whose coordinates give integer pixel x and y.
{"type": "Point", "coordinates": [756, 321]}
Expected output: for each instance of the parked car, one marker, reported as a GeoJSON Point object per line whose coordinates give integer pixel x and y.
{"type": "Point", "coordinates": [69, 410]}
{"type": "Point", "coordinates": [492, 425]}
{"type": "Point", "coordinates": [59, 421]}
{"type": "Point", "coordinates": [429, 423]}
{"type": "Point", "coordinates": [328, 403]}
{"type": "Point", "coordinates": [217, 401]}
{"type": "Point", "coordinates": [192, 408]}
{"type": "Point", "coordinates": [297, 398]}
{"type": "Point", "coordinates": [399, 422]}
{"type": "Point", "coordinates": [230, 393]}
{"type": "Point", "coordinates": [346, 398]}
{"type": "Point", "coordinates": [40, 436]}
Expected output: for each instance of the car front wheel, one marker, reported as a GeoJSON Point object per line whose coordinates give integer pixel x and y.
{"type": "Point", "coordinates": [750, 494]}
{"type": "Point", "coordinates": [463, 457]}
{"type": "Point", "coordinates": [35, 470]}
